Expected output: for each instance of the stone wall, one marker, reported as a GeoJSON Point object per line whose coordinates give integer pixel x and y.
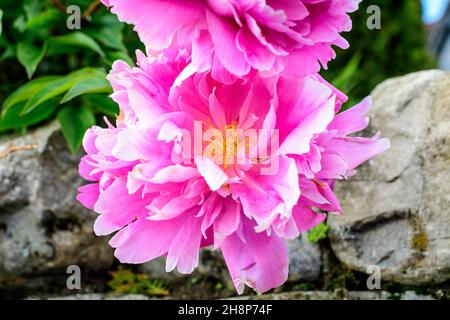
{"type": "Point", "coordinates": [42, 228]}
{"type": "Point", "coordinates": [397, 209]}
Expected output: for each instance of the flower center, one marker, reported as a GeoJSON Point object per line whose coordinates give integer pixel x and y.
{"type": "Point", "coordinates": [225, 146]}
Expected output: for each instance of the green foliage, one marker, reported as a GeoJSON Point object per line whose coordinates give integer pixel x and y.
{"type": "Point", "coordinates": [74, 122]}
{"type": "Point", "coordinates": [29, 56]}
{"type": "Point", "coordinates": [75, 41]}
{"type": "Point", "coordinates": [125, 281]}
{"type": "Point", "coordinates": [318, 233]}
{"type": "Point", "coordinates": [398, 48]}
{"type": "Point", "coordinates": [304, 287]}
{"type": "Point", "coordinates": [44, 65]}
{"type": "Point", "coordinates": [340, 276]}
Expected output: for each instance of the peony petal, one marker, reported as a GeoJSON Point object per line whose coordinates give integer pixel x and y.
{"type": "Point", "coordinates": [88, 195]}
{"type": "Point", "coordinates": [175, 173]}
{"type": "Point", "coordinates": [157, 22]}
{"type": "Point", "coordinates": [214, 176]}
{"type": "Point", "coordinates": [227, 223]}
{"type": "Point", "coordinates": [355, 151]}
{"type": "Point", "coordinates": [263, 197]}
{"type": "Point", "coordinates": [352, 120]}
{"type": "Point", "coordinates": [117, 208]}
{"type": "Point", "coordinates": [184, 251]}
{"type": "Point", "coordinates": [261, 262]}
{"type": "Point", "coordinates": [144, 240]}
{"type": "Point", "coordinates": [306, 218]}
{"type": "Point", "coordinates": [298, 141]}
{"type": "Point", "coordinates": [223, 33]}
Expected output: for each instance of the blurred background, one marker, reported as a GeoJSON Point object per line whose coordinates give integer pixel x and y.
{"type": "Point", "coordinates": [53, 71]}
{"type": "Point", "coordinates": [412, 37]}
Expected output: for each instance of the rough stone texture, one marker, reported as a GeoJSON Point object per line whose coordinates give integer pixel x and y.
{"type": "Point", "coordinates": [156, 269]}
{"type": "Point", "coordinates": [397, 208]}
{"type": "Point", "coordinates": [305, 263]}
{"type": "Point", "coordinates": [338, 295]}
{"type": "Point", "coordinates": [42, 228]}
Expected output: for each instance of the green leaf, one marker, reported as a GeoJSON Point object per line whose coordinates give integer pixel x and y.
{"type": "Point", "coordinates": [25, 92]}
{"type": "Point", "coordinates": [318, 233]}
{"type": "Point", "coordinates": [9, 49]}
{"type": "Point", "coordinates": [51, 90]}
{"type": "Point", "coordinates": [29, 56]}
{"type": "Point", "coordinates": [348, 72]}
{"type": "Point", "coordinates": [32, 8]}
{"type": "Point", "coordinates": [19, 23]}
{"type": "Point", "coordinates": [67, 43]}
{"type": "Point", "coordinates": [44, 19]}
{"type": "Point", "coordinates": [88, 85]}
{"type": "Point", "coordinates": [59, 86]}
{"type": "Point", "coordinates": [120, 55]}
{"type": "Point", "coordinates": [74, 123]}
{"type": "Point", "coordinates": [110, 37]}
{"type": "Point", "coordinates": [13, 120]}
{"type": "Point", "coordinates": [102, 103]}
{"type": "Point", "coordinates": [10, 52]}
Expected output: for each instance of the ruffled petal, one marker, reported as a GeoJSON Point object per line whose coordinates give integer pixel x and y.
{"type": "Point", "coordinates": [259, 261]}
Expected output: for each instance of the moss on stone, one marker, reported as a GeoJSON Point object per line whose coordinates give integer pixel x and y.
{"type": "Point", "coordinates": [124, 281]}
{"type": "Point", "coordinates": [419, 240]}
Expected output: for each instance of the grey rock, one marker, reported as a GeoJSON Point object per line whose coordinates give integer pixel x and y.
{"type": "Point", "coordinates": [42, 227]}
{"type": "Point", "coordinates": [396, 210]}
{"type": "Point", "coordinates": [305, 262]}
{"type": "Point", "coordinates": [156, 269]}
{"type": "Point", "coordinates": [411, 295]}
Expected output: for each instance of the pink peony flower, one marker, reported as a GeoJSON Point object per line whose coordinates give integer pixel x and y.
{"type": "Point", "coordinates": [238, 167]}
{"type": "Point", "coordinates": [233, 36]}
